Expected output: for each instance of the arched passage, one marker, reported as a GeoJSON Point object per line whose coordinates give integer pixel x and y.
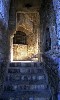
{"type": "Point", "coordinates": [24, 45]}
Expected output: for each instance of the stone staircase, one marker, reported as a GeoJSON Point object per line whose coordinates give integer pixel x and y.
{"type": "Point", "coordinates": [26, 81]}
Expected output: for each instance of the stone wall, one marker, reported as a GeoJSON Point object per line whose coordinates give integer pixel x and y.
{"type": "Point", "coordinates": [47, 20]}
{"type": "Point", "coordinates": [12, 17]}
{"type": "Point", "coordinates": [4, 42]}
{"type": "Point", "coordinates": [49, 17]}
{"type": "Point", "coordinates": [4, 12]}
{"type": "Point", "coordinates": [51, 67]}
{"type": "Point", "coordinates": [32, 42]}
{"type": "Point", "coordinates": [56, 4]}
{"type": "Point", "coordinates": [19, 52]}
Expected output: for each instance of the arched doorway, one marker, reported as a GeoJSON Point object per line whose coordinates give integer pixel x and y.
{"type": "Point", "coordinates": [25, 39]}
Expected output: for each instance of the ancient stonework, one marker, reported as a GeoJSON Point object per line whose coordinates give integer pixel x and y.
{"type": "Point", "coordinates": [39, 20]}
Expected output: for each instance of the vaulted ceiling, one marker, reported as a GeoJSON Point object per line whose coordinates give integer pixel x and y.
{"type": "Point", "coordinates": [27, 4]}
{"type": "Point", "coordinates": [30, 8]}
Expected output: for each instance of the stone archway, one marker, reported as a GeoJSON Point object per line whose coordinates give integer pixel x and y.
{"type": "Point", "coordinates": [28, 24]}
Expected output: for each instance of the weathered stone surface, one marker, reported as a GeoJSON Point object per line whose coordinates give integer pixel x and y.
{"type": "Point", "coordinates": [25, 82]}
{"type": "Point", "coordinates": [51, 67]}
{"type": "Point", "coordinates": [49, 11]}
{"type": "Point", "coordinates": [57, 10]}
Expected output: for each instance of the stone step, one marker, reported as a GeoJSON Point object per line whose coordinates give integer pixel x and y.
{"type": "Point", "coordinates": [21, 98]}
{"type": "Point", "coordinates": [25, 68]}
{"type": "Point", "coordinates": [25, 86]}
{"type": "Point", "coordinates": [24, 78]}
{"type": "Point", "coordinates": [25, 71]}
{"type": "Point", "coordinates": [43, 95]}
{"type": "Point", "coordinates": [18, 64]}
{"type": "Point", "coordinates": [25, 81]}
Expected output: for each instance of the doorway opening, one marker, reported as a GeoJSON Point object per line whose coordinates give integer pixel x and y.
{"type": "Point", "coordinates": [24, 42]}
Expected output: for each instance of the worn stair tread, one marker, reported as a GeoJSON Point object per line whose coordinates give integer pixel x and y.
{"type": "Point", "coordinates": [43, 81]}
{"type": "Point", "coordinates": [24, 81]}
{"type": "Point", "coordinates": [43, 94]}
{"type": "Point", "coordinates": [26, 88]}
{"type": "Point", "coordinates": [17, 64]}
{"type": "Point", "coordinates": [25, 68]}
{"type": "Point", "coordinates": [22, 78]}
{"type": "Point", "coordinates": [25, 71]}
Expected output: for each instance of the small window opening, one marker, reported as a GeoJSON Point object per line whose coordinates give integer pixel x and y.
{"type": "Point", "coordinates": [20, 38]}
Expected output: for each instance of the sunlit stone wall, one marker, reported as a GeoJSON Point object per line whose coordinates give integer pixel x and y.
{"type": "Point", "coordinates": [32, 41]}
{"type": "Point", "coordinates": [29, 23]}
{"type": "Point", "coordinates": [19, 52]}
{"type": "Point", "coordinates": [28, 51]}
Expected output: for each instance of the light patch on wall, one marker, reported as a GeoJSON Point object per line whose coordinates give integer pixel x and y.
{"type": "Point", "coordinates": [19, 52]}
